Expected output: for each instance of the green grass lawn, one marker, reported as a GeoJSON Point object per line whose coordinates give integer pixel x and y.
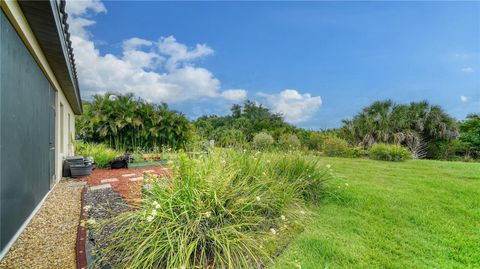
{"type": "Point", "coordinates": [414, 214]}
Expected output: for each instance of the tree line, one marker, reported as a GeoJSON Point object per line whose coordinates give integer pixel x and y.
{"type": "Point", "coordinates": [125, 122]}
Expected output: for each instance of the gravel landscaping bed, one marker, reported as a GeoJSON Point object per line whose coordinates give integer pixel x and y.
{"type": "Point", "coordinates": [101, 204]}
{"type": "Point", "coordinates": [104, 203]}
{"type": "Point", "coordinates": [49, 239]}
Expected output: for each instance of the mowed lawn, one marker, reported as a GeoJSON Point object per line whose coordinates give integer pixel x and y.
{"type": "Point", "coordinates": [415, 214]}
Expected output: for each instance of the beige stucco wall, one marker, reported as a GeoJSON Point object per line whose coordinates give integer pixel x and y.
{"type": "Point", "coordinates": [62, 151]}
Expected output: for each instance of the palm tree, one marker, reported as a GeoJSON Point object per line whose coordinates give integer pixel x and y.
{"type": "Point", "coordinates": [125, 122]}
{"type": "Point", "coordinates": [415, 125]}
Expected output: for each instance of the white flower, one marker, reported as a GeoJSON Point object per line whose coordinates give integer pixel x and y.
{"type": "Point", "coordinates": [302, 212]}
{"type": "Point", "coordinates": [149, 218]}
{"type": "Point", "coordinates": [154, 212]}
{"type": "Point", "coordinates": [87, 208]}
{"type": "Point", "coordinates": [258, 198]}
{"type": "Point", "coordinates": [274, 232]}
{"type": "Point", "coordinates": [155, 204]}
{"type": "Point", "coordinates": [328, 166]}
{"type": "Point", "coordinates": [283, 217]}
{"type": "Point", "coordinates": [208, 214]}
{"type": "Point", "coordinates": [244, 150]}
{"type": "Point", "coordinates": [182, 267]}
{"type": "Point", "coordinates": [91, 221]}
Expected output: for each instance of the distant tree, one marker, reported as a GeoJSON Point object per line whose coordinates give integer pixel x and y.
{"type": "Point", "coordinates": [250, 119]}
{"type": "Point", "coordinates": [470, 134]}
{"type": "Point", "coordinates": [236, 111]}
{"type": "Point", "coordinates": [228, 137]}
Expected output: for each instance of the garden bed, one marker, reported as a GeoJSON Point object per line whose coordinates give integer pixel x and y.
{"type": "Point", "coordinates": [228, 209]}
{"type": "Point", "coordinates": [109, 192]}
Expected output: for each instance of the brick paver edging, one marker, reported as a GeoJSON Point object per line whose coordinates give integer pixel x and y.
{"type": "Point", "coordinates": [80, 249]}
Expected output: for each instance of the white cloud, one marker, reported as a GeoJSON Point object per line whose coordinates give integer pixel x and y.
{"type": "Point", "coordinates": [139, 68]}
{"type": "Point", "coordinates": [77, 8]}
{"type": "Point", "coordinates": [294, 106]}
{"type": "Point", "coordinates": [468, 70]}
{"type": "Point", "coordinates": [179, 53]}
{"type": "Point", "coordinates": [77, 26]}
{"type": "Point", "coordinates": [138, 58]}
{"type": "Point", "coordinates": [463, 98]}
{"type": "Point", "coordinates": [135, 42]}
{"type": "Point", "coordinates": [81, 7]}
{"type": "Point", "coordinates": [235, 94]}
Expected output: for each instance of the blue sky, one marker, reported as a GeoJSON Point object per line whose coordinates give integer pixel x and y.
{"type": "Point", "coordinates": [315, 62]}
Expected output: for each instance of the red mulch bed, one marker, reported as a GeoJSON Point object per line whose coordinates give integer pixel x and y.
{"type": "Point", "coordinates": [129, 190]}
{"type": "Point", "coordinates": [80, 246]}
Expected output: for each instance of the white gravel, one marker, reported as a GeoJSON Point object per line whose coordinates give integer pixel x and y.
{"type": "Point", "coordinates": [49, 239]}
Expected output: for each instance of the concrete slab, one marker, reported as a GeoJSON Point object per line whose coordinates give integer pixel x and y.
{"type": "Point", "coordinates": [100, 187]}
{"type": "Point", "coordinates": [109, 180]}
{"type": "Point", "coordinates": [136, 178]}
{"type": "Point", "coordinates": [128, 175]}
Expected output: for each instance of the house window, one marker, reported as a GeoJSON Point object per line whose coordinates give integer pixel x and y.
{"type": "Point", "coordinates": [62, 129]}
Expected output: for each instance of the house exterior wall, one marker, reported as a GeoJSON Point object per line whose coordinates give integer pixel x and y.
{"type": "Point", "coordinates": [32, 142]}
{"type": "Point", "coordinates": [62, 151]}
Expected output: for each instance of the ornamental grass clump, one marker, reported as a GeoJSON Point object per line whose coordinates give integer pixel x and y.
{"type": "Point", "coordinates": [301, 174]}
{"type": "Point", "coordinates": [389, 152]}
{"type": "Point", "coordinates": [226, 210]}
{"type": "Point", "coordinates": [101, 153]}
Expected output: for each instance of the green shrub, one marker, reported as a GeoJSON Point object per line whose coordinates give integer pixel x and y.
{"type": "Point", "coordinates": [356, 152]}
{"type": "Point", "coordinates": [315, 140]}
{"type": "Point", "coordinates": [454, 150]}
{"type": "Point", "coordinates": [336, 147]}
{"type": "Point", "coordinates": [289, 141]}
{"type": "Point", "coordinates": [389, 152]}
{"type": "Point", "coordinates": [226, 210]}
{"type": "Point", "coordinates": [101, 153]}
{"type": "Point", "coordinates": [262, 141]}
